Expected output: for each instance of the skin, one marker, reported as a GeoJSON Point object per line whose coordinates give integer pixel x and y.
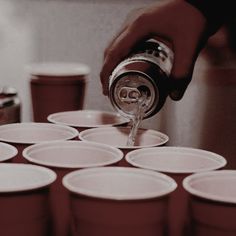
{"type": "Point", "coordinates": [176, 22]}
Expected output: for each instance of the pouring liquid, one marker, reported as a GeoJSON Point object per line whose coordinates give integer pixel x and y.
{"type": "Point", "coordinates": [137, 119]}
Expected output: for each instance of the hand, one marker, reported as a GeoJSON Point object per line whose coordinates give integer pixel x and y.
{"type": "Point", "coordinates": [175, 21]}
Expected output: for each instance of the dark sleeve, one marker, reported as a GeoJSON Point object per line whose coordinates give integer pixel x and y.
{"type": "Point", "coordinates": [217, 12]}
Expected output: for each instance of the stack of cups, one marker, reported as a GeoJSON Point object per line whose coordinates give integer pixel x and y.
{"type": "Point", "coordinates": [57, 87]}
{"type": "Point", "coordinates": [177, 162]}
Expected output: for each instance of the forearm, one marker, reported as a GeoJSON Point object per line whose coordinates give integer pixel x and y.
{"type": "Point", "coordinates": [217, 12]}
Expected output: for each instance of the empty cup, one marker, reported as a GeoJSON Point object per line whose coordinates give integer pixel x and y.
{"type": "Point", "coordinates": [212, 202]}
{"type": "Point", "coordinates": [85, 119]}
{"type": "Point", "coordinates": [24, 199]}
{"type": "Point", "coordinates": [118, 136]}
{"type": "Point", "coordinates": [63, 157]}
{"type": "Point", "coordinates": [118, 201]}
{"type": "Point", "coordinates": [177, 162]}
{"type": "Point", "coordinates": [7, 152]}
{"type": "Point", "coordinates": [21, 135]}
{"type": "Point", "coordinates": [57, 87]}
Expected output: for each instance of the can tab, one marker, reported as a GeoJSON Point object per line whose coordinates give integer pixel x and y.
{"type": "Point", "coordinates": [129, 95]}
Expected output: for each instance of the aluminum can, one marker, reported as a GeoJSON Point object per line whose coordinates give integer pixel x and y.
{"type": "Point", "coordinates": [142, 76]}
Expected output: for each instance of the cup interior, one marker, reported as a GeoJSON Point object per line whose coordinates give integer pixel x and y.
{"type": "Point", "coordinates": [118, 136]}
{"type": "Point", "coordinates": [72, 154]}
{"type": "Point", "coordinates": [23, 177]}
{"type": "Point", "coordinates": [30, 133]}
{"type": "Point", "coordinates": [119, 183]}
{"type": "Point", "coordinates": [175, 159]}
{"type": "Point", "coordinates": [7, 151]}
{"type": "Point", "coordinates": [87, 118]}
{"type": "Point", "coordinates": [213, 185]}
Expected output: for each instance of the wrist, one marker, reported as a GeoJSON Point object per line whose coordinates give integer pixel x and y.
{"type": "Point", "coordinates": [215, 12]}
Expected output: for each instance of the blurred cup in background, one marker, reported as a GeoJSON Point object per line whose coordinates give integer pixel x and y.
{"type": "Point", "coordinates": [57, 87]}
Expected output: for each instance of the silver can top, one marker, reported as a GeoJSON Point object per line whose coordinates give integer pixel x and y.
{"type": "Point", "coordinates": [131, 90]}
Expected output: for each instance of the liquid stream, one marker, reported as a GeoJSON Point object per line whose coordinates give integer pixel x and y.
{"type": "Point", "coordinates": [136, 120]}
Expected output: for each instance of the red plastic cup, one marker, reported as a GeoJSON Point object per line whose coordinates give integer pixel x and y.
{"type": "Point", "coordinates": [118, 136]}
{"type": "Point", "coordinates": [64, 157]}
{"type": "Point", "coordinates": [86, 119]}
{"type": "Point", "coordinates": [57, 87]}
{"type": "Point", "coordinates": [212, 202]}
{"type": "Point", "coordinates": [118, 201]}
{"type": "Point", "coordinates": [177, 162]}
{"type": "Point", "coordinates": [24, 199]}
{"type": "Point", "coordinates": [22, 135]}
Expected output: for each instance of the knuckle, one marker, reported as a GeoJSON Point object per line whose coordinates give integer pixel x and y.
{"type": "Point", "coordinates": [140, 19]}
{"type": "Point", "coordinates": [111, 52]}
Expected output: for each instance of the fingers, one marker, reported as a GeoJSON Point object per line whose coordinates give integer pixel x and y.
{"type": "Point", "coordinates": [113, 40]}
{"type": "Point", "coordinates": [178, 86]}
{"type": "Point", "coordinates": [186, 52]}
{"type": "Point", "coordinates": [129, 19]}
{"type": "Point", "coordinates": [188, 42]}
{"type": "Point", "coordinates": [184, 35]}
{"type": "Point", "coordinates": [120, 48]}
{"type": "Point", "coordinates": [182, 70]}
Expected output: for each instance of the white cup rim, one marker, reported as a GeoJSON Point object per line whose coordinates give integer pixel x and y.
{"type": "Point", "coordinates": [170, 183]}
{"type": "Point", "coordinates": [117, 154]}
{"type": "Point", "coordinates": [13, 151]}
{"type": "Point", "coordinates": [151, 132]}
{"type": "Point", "coordinates": [58, 69]}
{"type": "Point", "coordinates": [219, 161]}
{"type": "Point", "coordinates": [51, 177]}
{"type": "Point", "coordinates": [72, 132]}
{"type": "Point", "coordinates": [206, 195]}
{"type": "Point", "coordinates": [53, 118]}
